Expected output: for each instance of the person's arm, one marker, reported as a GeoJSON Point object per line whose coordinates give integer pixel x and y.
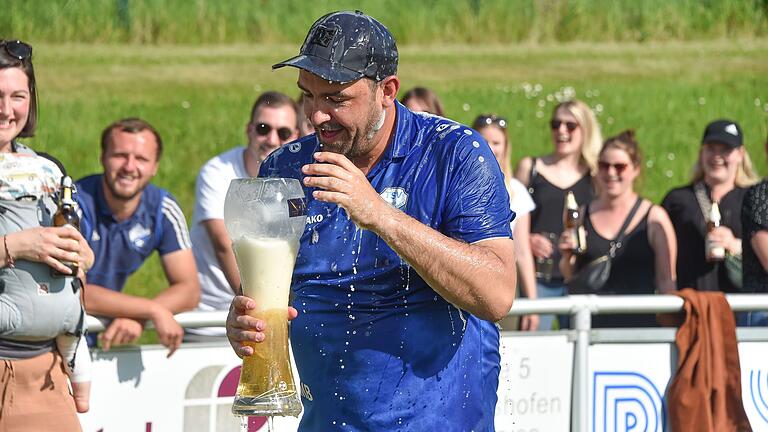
{"type": "Point", "coordinates": [478, 277]}
{"type": "Point", "coordinates": [183, 292]}
{"type": "Point", "coordinates": [47, 245]}
{"type": "Point", "coordinates": [222, 248]}
{"type": "Point", "coordinates": [525, 267]}
{"type": "Point", "coordinates": [661, 236]}
{"type": "Point", "coordinates": [759, 243]}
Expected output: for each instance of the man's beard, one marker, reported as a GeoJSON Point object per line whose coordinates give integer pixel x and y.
{"type": "Point", "coordinates": [122, 196]}
{"type": "Point", "coordinates": [360, 144]}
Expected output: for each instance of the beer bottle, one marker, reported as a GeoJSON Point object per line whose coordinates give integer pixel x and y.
{"type": "Point", "coordinates": [572, 220]}
{"type": "Point", "coordinates": [66, 215]}
{"type": "Point", "coordinates": [713, 252]}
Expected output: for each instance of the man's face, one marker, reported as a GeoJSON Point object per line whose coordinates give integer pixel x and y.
{"type": "Point", "coordinates": [130, 162]}
{"type": "Point", "coordinates": [269, 129]}
{"type": "Point", "coordinates": [346, 117]}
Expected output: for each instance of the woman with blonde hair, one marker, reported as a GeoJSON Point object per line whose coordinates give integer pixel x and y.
{"type": "Point", "coordinates": [637, 234]}
{"type": "Point", "coordinates": [494, 129]}
{"type": "Point", "coordinates": [722, 174]}
{"type": "Point", "coordinates": [569, 167]}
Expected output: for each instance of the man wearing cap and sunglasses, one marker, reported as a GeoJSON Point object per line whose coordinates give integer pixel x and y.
{"type": "Point", "coordinates": [407, 258]}
{"type": "Point", "coordinates": [273, 122]}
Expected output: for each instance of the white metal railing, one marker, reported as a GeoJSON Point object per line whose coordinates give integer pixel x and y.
{"type": "Point", "coordinates": [580, 307]}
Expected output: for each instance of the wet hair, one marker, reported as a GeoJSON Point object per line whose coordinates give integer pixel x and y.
{"type": "Point", "coordinates": [130, 125]}
{"type": "Point", "coordinates": [7, 61]}
{"type": "Point", "coordinates": [427, 97]}
{"type": "Point", "coordinates": [627, 142]}
{"type": "Point", "coordinates": [274, 99]}
{"type": "Point", "coordinates": [593, 139]}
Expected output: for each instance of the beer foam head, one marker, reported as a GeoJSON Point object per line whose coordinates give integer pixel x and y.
{"type": "Point", "coordinates": [266, 269]}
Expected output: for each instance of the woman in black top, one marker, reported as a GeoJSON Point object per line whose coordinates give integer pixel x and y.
{"type": "Point", "coordinates": [643, 263]}
{"type": "Point", "coordinates": [754, 219]}
{"type": "Point", "coordinates": [577, 140]}
{"type": "Point", "coordinates": [722, 174]}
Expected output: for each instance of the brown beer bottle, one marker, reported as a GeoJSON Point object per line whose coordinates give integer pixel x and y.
{"type": "Point", "coordinates": [572, 220]}
{"type": "Point", "coordinates": [66, 215]}
{"type": "Point", "coordinates": [713, 252]}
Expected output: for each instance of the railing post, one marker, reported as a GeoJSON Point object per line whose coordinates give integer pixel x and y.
{"type": "Point", "coordinates": [581, 316]}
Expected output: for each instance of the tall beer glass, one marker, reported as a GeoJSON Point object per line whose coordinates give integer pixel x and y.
{"type": "Point", "coordinates": [265, 218]}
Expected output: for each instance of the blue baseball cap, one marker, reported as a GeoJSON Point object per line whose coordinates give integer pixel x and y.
{"type": "Point", "coordinates": [346, 46]}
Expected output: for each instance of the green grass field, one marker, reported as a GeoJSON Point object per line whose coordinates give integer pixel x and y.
{"type": "Point", "coordinates": [199, 98]}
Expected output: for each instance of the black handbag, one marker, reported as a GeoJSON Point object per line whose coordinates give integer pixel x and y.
{"type": "Point", "coordinates": [591, 278]}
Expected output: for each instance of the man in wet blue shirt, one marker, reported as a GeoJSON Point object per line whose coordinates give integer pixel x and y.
{"type": "Point", "coordinates": [407, 258]}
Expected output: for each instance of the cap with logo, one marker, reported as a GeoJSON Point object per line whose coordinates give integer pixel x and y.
{"type": "Point", "coordinates": [345, 46]}
{"type": "Point", "coordinates": [724, 131]}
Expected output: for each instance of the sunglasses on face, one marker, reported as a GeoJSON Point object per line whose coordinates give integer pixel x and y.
{"type": "Point", "coordinates": [488, 120]}
{"type": "Point", "coordinates": [264, 129]}
{"type": "Point", "coordinates": [571, 126]}
{"type": "Point", "coordinates": [605, 167]}
{"type": "Point", "coordinates": [17, 49]}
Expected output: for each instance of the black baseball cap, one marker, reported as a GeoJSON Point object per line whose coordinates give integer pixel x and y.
{"type": "Point", "coordinates": [724, 131]}
{"type": "Point", "coordinates": [346, 46]}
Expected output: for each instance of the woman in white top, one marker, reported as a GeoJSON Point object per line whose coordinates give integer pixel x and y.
{"type": "Point", "coordinates": [494, 130]}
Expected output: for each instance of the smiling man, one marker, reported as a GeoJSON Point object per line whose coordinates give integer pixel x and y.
{"type": "Point", "coordinates": [125, 219]}
{"type": "Point", "coordinates": [407, 258]}
{"type": "Point", "coordinates": [273, 121]}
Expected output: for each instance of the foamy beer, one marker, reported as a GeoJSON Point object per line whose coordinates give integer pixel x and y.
{"type": "Point", "coordinates": [265, 218]}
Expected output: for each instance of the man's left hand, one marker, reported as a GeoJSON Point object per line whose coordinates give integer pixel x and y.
{"type": "Point", "coordinates": [340, 181]}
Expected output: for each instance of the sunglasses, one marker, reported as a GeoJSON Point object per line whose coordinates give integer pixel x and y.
{"type": "Point", "coordinates": [571, 126]}
{"type": "Point", "coordinates": [283, 133]}
{"type": "Point", "coordinates": [605, 167]}
{"type": "Point", "coordinates": [17, 49]}
{"type": "Point", "coordinates": [488, 120]}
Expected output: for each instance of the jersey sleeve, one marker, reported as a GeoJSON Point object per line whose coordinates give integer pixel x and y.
{"type": "Point", "coordinates": [477, 203]}
{"type": "Point", "coordinates": [175, 235]}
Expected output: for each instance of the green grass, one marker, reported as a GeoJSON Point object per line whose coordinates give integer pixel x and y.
{"type": "Point", "coordinates": [426, 21]}
{"type": "Point", "coordinates": [199, 98]}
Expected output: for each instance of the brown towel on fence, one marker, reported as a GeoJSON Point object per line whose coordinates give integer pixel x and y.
{"type": "Point", "coordinates": [705, 393]}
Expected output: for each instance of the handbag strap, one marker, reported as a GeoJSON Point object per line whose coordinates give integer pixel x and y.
{"type": "Point", "coordinates": [616, 244]}
{"type": "Point", "coordinates": [705, 203]}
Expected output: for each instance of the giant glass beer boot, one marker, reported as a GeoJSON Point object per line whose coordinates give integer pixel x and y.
{"type": "Point", "coordinates": [265, 218]}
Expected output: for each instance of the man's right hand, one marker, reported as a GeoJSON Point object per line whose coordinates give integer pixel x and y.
{"type": "Point", "coordinates": [169, 331]}
{"type": "Point", "coordinates": [242, 327]}
{"type": "Point", "coordinates": [120, 331]}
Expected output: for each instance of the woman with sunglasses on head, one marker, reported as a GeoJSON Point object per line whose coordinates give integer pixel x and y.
{"type": "Point", "coordinates": [643, 260]}
{"type": "Point", "coordinates": [577, 139]}
{"type": "Point", "coordinates": [722, 174]}
{"type": "Point", "coordinates": [494, 130]}
{"type": "Point", "coordinates": [40, 312]}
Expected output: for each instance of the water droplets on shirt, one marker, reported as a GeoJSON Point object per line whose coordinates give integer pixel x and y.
{"type": "Point", "coordinates": [475, 144]}
{"type": "Point", "coordinates": [481, 159]}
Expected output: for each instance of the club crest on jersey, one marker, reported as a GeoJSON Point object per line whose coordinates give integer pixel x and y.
{"type": "Point", "coordinates": [138, 235]}
{"type": "Point", "coordinates": [397, 197]}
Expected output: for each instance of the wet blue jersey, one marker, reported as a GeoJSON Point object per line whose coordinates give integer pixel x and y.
{"type": "Point", "coordinates": [376, 347]}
